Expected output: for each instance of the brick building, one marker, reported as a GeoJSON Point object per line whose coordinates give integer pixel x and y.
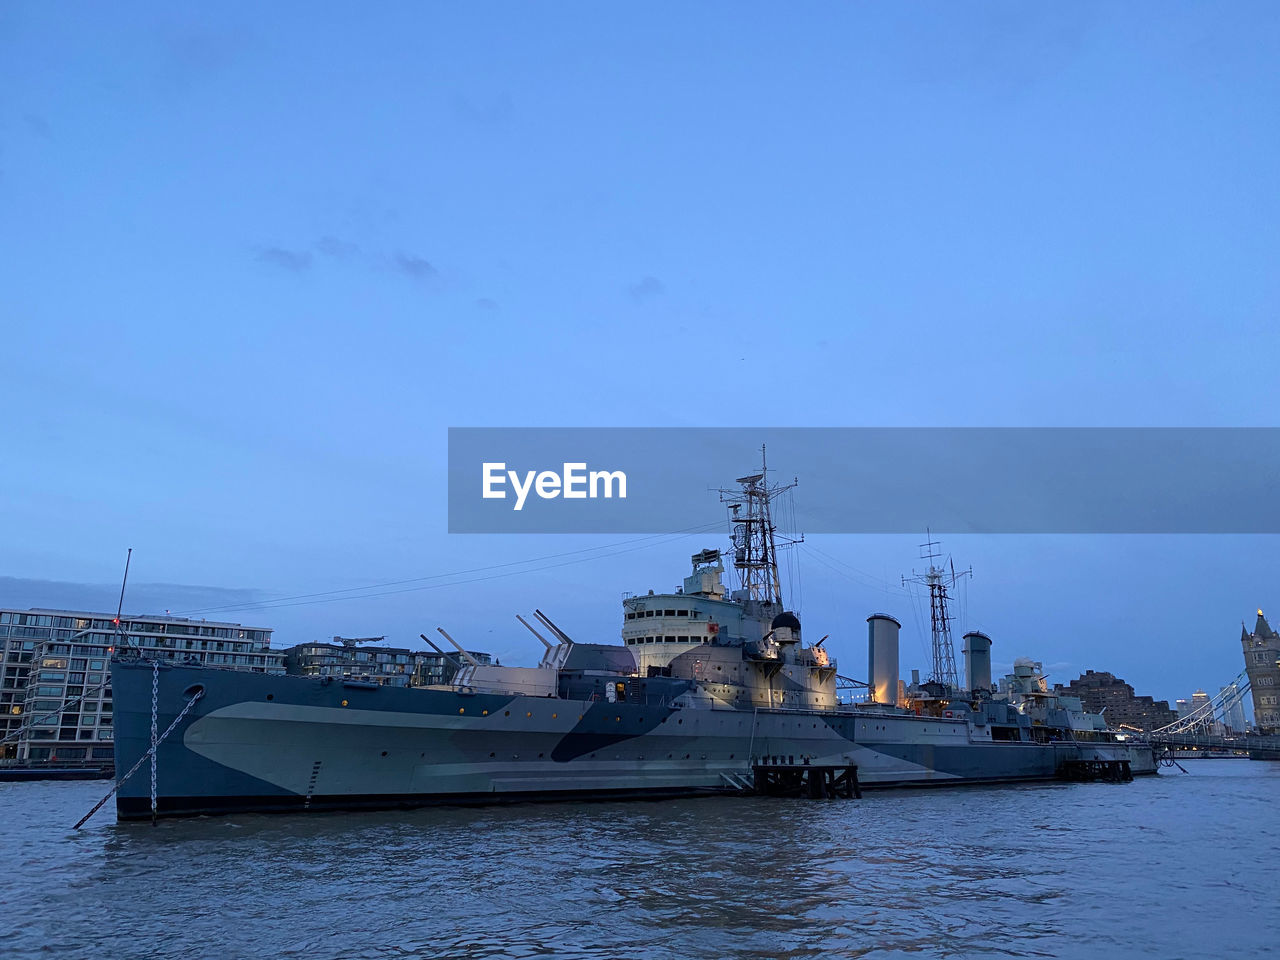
{"type": "Point", "coordinates": [1105, 693]}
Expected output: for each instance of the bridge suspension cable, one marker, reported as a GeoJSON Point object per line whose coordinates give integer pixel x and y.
{"type": "Point", "coordinates": [1203, 717]}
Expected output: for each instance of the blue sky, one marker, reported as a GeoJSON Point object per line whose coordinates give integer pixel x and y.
{"type": "Point", "coordinates": [257, 259]}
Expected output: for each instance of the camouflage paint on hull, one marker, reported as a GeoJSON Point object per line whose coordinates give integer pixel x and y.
{"type": "Point", "coordinates": [255, 742]}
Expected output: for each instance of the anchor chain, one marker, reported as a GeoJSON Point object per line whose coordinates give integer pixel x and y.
{"type": "Point", "coordinates": [150, 754]}
{"type": "Point", "coordinates": [155, 709]}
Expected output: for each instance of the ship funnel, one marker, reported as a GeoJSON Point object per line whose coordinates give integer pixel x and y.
{"type": "Point", "coordinates": [977, 661]}
{"type": "Point", "coordinates": [882, 657]}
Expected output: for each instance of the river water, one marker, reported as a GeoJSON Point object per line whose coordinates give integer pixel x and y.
{"type": "Point", "coordinates": [1180, 865]}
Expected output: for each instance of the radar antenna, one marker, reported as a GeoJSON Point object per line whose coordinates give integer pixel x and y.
{"type": "Point", "coordinates": [755, 539]}
{"type": "Point", "coordinates": [939, 581]}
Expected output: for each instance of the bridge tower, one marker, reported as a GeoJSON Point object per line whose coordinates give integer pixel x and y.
{"type": "Point", "coordinates": [1262, 664]}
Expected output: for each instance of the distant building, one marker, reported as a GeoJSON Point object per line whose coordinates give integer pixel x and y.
{"type": "Point", "coordinates": [1105, 693]}
{"type": "Point", "coordinates": [1199, 700]}
{"type": "Point", "coordinates": [1262, 665]}
{"type": "Point", "coordinates": [394, 666]}
{"type": "Point", "coordinates": [1184, 707]}
{"type": "Point", "coordinates": [55, 695]}
{"type": "Point", "coordinates": [1233, 718]}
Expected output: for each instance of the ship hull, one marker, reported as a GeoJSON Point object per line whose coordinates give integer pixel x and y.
{"type": "Point", "coordinates": [269, 743]}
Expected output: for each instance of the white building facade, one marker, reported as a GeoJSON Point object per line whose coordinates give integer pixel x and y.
{"type": "Point", "coordinates": [55, 691]}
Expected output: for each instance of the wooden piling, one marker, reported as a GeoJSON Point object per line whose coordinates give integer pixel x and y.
{"type": "Point", "coordinates": [815, 781]}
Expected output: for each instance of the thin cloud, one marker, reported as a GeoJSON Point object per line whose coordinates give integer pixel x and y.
{"type": "Point", "coordinates": [140, 598]}
{"type": "Point", "coordinates": [293, 260]}
{"type": "Point", "coordinates": [38, 126]}
{"type": "Point", "coordinates": [484, 303]}
{"type": "Point", "coordinates": [336, 248]}
{"type": "Point", "coordinates": [483, 111]}
{"type": "Point", "coordinates": [187, 57]}
{"type": "Point", "coordinates": [646, 289]}
{"type": "Point", "coordinates": [415, 267]}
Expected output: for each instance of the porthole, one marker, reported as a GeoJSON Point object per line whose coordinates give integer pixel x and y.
{"type": "Point", "coordinates": [271, 696]}
{"type": "Point", "coordinates": [344, 703]}
{"type": "Point", "coordinates": [460, 709]}
{"type": "Point", "coordinates": [384, 753]}
{"type": "Point", "coordinates": [506, 713]}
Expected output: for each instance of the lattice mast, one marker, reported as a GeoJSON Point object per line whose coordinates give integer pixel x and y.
{"type": "Point", "coordinates": [754, 537]}
{"type": "Point", "coordinates": [940, 580]}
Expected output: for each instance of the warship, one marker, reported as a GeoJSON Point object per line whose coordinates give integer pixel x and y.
{"type": "Point", "coordinates": [710, 684]}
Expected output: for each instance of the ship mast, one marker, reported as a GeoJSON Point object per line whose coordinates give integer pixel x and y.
{"type": "Point", "coordinates": [754, 537]}
{"type": "Point", "coordinates": [939, 581]}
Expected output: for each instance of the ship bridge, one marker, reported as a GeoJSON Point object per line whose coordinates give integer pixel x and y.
{"type": "Point", "coordinates": [658, 627]}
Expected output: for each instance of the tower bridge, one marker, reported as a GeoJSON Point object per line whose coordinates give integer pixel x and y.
{"type": "Point", "coordinates": [1204, 730]}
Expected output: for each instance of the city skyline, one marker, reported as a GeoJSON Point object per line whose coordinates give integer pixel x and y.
{"type": "Point", "coordinates": [514, 645]}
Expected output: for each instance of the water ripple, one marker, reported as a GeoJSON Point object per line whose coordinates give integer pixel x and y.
{"type": "Point", "coordinates": [1158, 868]}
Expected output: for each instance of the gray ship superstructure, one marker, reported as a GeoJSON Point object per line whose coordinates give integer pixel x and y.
{"type": "Point", "coordinates": [706, 685]}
